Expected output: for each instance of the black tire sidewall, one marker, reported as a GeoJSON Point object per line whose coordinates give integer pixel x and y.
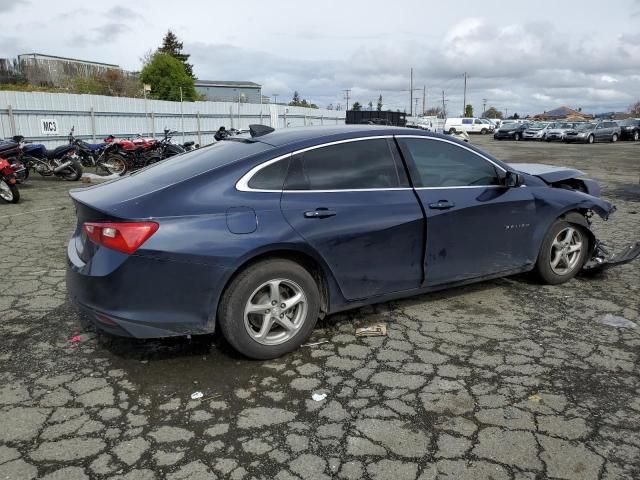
{"type": "Point", "coordinates": [231, 309]}
{"type": "Point", "coordinates": [77, 167]}
{"type": "Point", "coordinates": [543, 265]}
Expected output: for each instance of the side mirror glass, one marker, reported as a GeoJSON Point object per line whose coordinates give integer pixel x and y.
{"type": "Point", "coordinates": [513, 179]}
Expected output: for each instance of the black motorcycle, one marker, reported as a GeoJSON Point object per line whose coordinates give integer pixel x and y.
{"type": "Point", "coordinates": [62, 161]}
{"type": "Point", "coordinates": [89, 153]}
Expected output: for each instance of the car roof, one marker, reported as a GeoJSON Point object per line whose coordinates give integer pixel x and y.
{"type": "Point", "coordinates": [319, 134]}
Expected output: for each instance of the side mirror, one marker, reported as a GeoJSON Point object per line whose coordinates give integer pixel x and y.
{"type": "Point", "coordinates": [513, 179]}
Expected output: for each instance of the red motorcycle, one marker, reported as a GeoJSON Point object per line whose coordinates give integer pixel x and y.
{"type": "Point", "coordinates": [8, 184]}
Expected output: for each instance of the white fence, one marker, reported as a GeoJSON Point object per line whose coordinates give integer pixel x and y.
{"type": "Point", "coordinates": [95, 116]}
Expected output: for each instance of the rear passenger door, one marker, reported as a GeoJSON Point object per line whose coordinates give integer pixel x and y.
{"type": "Point", "coordinates": [351, 202]}
{"type": "Point", "coordinates": [475, 226]}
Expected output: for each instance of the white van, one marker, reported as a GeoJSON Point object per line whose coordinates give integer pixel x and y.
{"type": "Point", "coordinates": [467, 124]}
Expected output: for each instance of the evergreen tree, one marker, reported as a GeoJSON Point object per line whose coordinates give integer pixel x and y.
{"type": "Point", "coordinates": [171, 46]}
{"type": "Point", "coordinates": [379, 106]}
{"type": "Point", "coordinates": [356, 107]}
{"type": "Point", "coordinates": [166, 75]}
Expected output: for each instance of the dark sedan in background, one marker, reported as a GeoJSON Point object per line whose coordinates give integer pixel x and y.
{"type": "Point", "coordinates": [261, 235]}
{"type": "Point", "coordinates": [630, 129]}
{"type": "Point", "coordinates": [511, 131]}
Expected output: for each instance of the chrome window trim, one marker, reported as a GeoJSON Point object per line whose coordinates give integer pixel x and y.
{"type": "Point", "coordinates": [242, 185]}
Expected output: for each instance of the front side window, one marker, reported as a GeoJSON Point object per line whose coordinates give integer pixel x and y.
{"type": "Point", "coordinates": [356, 165]}
{"type": "Point", "coordinates": [444, 164]}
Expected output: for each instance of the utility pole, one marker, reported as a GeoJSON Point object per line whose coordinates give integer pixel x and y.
{"type": "Point", "coordinates": [464, 98]}
{"type": "Point", "coordinates": [275, 97]}
{"type": "Point", "coordinates": [484, 106]}
{"type": "Point", "coordinates": [506, 113]}
{"type": "Point", "coordinates": [411, 94]}
{"type": "Point", "coordinates": [424, 98]}
{"type": "Point", "coordinates": [181, 115]}
{"type": "Point", "coordinates": [347, 91]}
{"type": "Point", "coordinates": [416, 101]}
{"type": "Point", "coordinates": [444, 112]}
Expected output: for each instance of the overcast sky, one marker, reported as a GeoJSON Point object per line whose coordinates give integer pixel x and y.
{"type": "Point", "coordinates": [522, 56]}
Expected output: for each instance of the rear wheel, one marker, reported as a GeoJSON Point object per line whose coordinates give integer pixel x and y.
{"type": "Point", "coordinates": [73, 172]}
{"type": "Point", "coordinates": [517, 137]}
{"type": "Point", "coordinates": [115, 165]}
{"type": "Point", "coordinates": [636, 136]}
{"type": "Point", "coordinates": [614, 138]}
{"type": "Point", "coordinates": [9, 193]}
{"type": "Point", "coordinates": [483, 131]}
{"type": "Point", "coordinates": [591, 139]}
{"type": "Point", "coordinates": [269, 309]}
{"type": "Point", "coordinates": [562, 253]}
{"type": "Point", "coordinates": [452, 131]}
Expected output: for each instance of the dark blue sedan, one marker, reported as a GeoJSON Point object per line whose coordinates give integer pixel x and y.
{"type": "Point", "coordinates": [262, 235]}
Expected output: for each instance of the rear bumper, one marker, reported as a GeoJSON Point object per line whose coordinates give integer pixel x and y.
{"type": "Point", "coordinates": [144, 297]}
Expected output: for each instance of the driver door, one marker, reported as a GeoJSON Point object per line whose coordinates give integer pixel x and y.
{"type": "Point", "coordinates": [475, 226]}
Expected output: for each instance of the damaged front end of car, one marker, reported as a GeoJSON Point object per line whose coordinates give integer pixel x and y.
{"type": "Point", "coordinates": [602, 258]}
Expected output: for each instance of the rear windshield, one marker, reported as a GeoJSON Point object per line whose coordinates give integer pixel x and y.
{"type": "Point", "coordinates": [181, 167]}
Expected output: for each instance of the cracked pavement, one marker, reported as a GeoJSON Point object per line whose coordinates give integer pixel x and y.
{"type": "Point", "coordinates": [506, 379]}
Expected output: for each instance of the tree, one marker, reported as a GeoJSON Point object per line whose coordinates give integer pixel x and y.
{"type": "Point", "coordinates": [379, 106]}
{"type": "Point", "coordinates": [356, 107]}
{"type": "Point", "coordinates": [166, 75]}
{"type": "Point", "coordinates": [171, 46]}
{"type": "Point", "coordinates": [433, 112]}
{"type": "Point", "coordinates": [634, 109]}
{"type": "Point", "coordinates": [297, 102]}
{"type": "Point", "coordinates": [370, 106]}
{"type": "Point", "coordinates": [468, 111]}
{"type": "Point", "coordinates": [515, 116]}
{"type": "Point", "coordinates": [492, 112]}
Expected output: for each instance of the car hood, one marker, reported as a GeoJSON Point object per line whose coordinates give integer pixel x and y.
{"type": "Point", "coordinates": [548, 173]}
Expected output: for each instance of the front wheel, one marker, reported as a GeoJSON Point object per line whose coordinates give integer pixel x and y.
{"type": "Point", "coordinates": [269, 309]}
{"type": "Point", "coordinates": [452, 131]}
{"type": "Point", "coordinates": [591, 139]}
{"type": "Point", "coordinates": [562, 253]}
{"type": "Point", "coordinates": [614, 138]}
{"type": "Point", "coordinates": [8, 192]}
{"type": "Point", "coordinates": [483, 131]}
{"type": "Point", "coordinates": [636, 136]}
{"type": "Point", "coordinates": [517, 137]}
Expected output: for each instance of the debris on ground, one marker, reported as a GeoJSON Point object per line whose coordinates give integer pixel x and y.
{"type": "Point", "coordinates": [535, 398]}
{"type": "Point", "coordinates": [615, 321]}
{"type": "Point", "coordinates": [318, 397]}
{"type": "Point", "coordinates": [196, 395]}
{"type": "Point", "coordinates": [313, 344]}
{"type": "Point", "coordinates": [377, 330]}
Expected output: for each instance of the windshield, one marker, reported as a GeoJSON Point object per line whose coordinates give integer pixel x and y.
{"type": "Point", "coordinates": [509, 125]}
{"type": "Point", "coordinates": [538, 125]}
{"type": "Point", "coordinates": [629, 122]}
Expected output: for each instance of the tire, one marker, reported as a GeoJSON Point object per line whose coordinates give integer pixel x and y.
{"type": "Point", "coordinates": [9, 193]}
{"type": "Point", "coordinates": [115, 165]}
{"type": "Point", "coordinates": [636, 136]}
{"type": "Point", "coordinates": [614, 138]}
{"type": "Point", "coordinates": [452, 131]}
{"type": "Point", "coordinates": [591, 139]}
{"type": "Point", "coordinates": [252, 287]}
{"type": "Point", "coordinates": [73, 172]}
{"type": "Point", "coordinates": [517, 137]}
{"type": "Point", "coordinates": [483, 131]}
{"type": "Point", "coordinates": [556, 263]}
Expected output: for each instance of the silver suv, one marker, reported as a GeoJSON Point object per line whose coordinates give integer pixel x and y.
{"type": "Point", "coordinates": [606, 131]}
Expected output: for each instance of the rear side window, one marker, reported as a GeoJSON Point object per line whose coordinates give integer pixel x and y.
{"type": "Point", "coordinates": [443, 164]}
{"type": "Point", "coordinates": [354, 165]}
{"type": "Point", "coordinates": [467, 121]}
{"type": "Point", "coordinates": [270, 177]}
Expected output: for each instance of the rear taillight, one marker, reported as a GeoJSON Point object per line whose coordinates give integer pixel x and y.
{"type": "Point", "coordinates": [125, 237]}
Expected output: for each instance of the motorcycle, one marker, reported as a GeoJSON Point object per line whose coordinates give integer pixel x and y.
{"type": "Point", "coordinates": [89, 153]}
{"type": "Point", "coordinates": [11, 150]}
{"type": "Point", "coordinates": [8, 183]}
{"type": "Point", "coordinates": [121, 156]}
{"type": "Point", "coordinates": [61, 162]}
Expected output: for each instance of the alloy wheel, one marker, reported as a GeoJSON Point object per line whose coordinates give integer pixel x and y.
{"type": "Point", "coordinates": [636, 135]}
{"type": "Point", "coordinates": [275, 311]}
{"type": "Point", "coordinates": [565, 251]}
{"type": "Point", "coordinates": [5, 192]}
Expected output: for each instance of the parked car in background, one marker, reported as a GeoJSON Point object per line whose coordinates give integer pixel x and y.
{"type": "Point", "coordinates": [510, 130]}
{"type": "Point", "coordinates": [493, 121]}
{"type": "Point", "coordinates": [607, 131]}
{"type": "Point", "coordinates": [630, 129]}
{"type": "Point", "coordinates": [468, 125]}
{"type": "Point", "coordinates": [536, 131]}
{"type": "Point", "coordinates": [557, 130]}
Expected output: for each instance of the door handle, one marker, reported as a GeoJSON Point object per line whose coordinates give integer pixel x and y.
{"type": "Point", "coordinates": [442, 205]}
{"type": "Point", "coordinates": [320, 213]}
